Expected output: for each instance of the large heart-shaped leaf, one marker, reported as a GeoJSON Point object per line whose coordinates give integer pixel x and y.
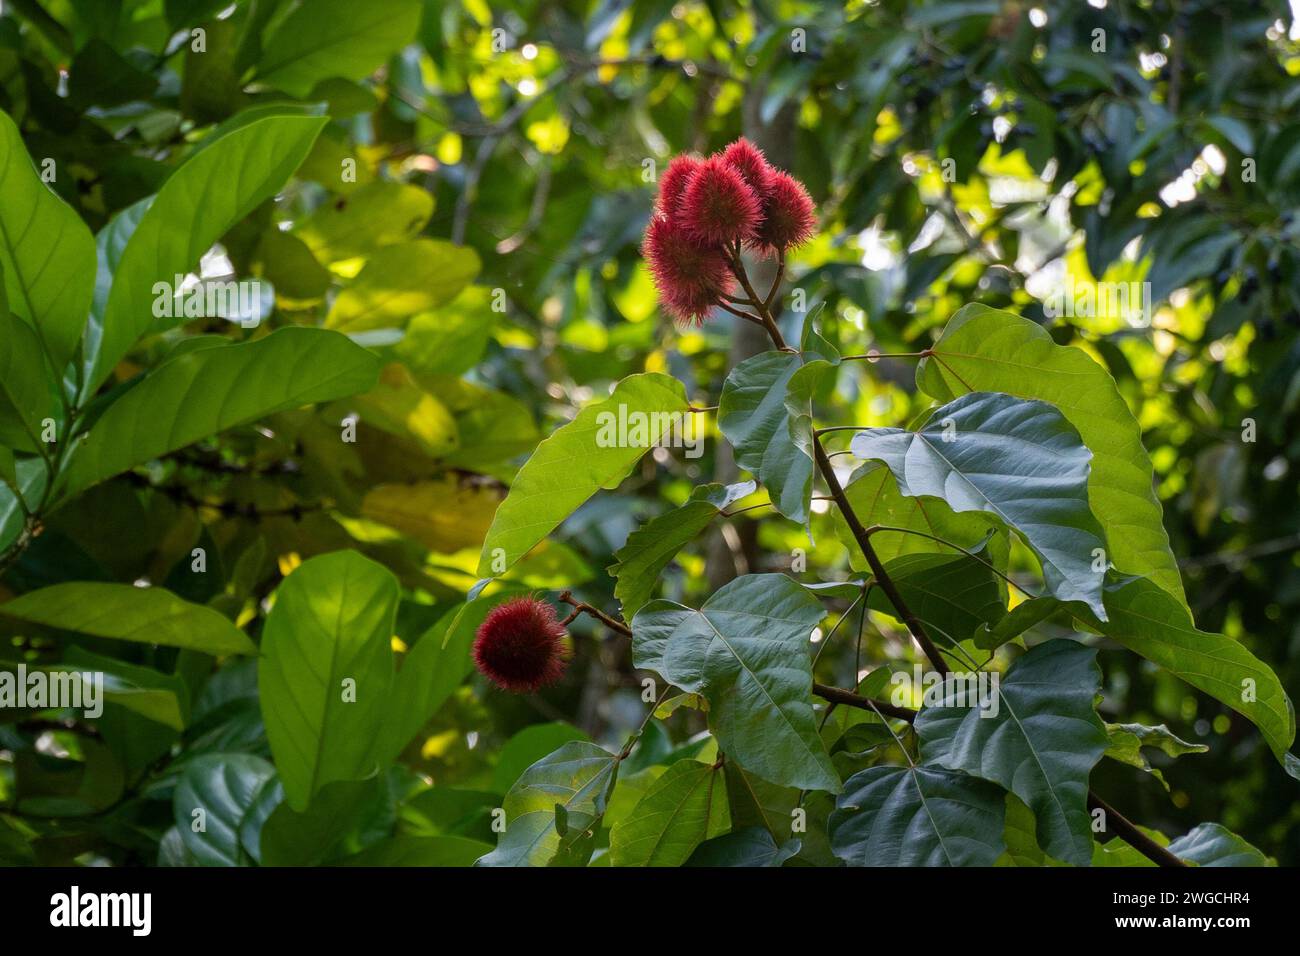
{"type": "Point", "coordinates": [917, 816]}
{"type": "Point", "coordinates": [553, 809]}
{"type": "Point", "coordinates": [1041, 743]}
{"type": "Point", "coordinates": [649, 549]}
{"type": "Point", "coordinates": [126, 613]}
{"type": "Point", "coordinates": [746, 651]}
{"type": "Point", "coordinates": [203, 198]}
{"type": "Point", "coordinates": [682, 809]}
{"type": "Point", "coordinates": [47, 255]}
{"type": "Point", "coordinates": [205, 391]}
{"type": "Point", "coordinates": [1019, 460]}
{"type": "Point", "coordinates": [596, 450]}
{"type": "Point", "coordinates": [326, 671]}
{"type": "Point", "coordinates": [984, 349]}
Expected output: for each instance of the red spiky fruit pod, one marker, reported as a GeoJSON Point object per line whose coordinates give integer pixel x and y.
{"type": "Point", "coordinates": [691, 278]}
{"type": "Point", "coordinates": [719, 208]}
{"type": "Point", "coordinates": [672, 186]}
{"type": "Point", "coordinates": [789, 216]}
{"type": "Point", "coordinates": [520, 646]}
{"type": "Point", "coordinates": [748, 160]}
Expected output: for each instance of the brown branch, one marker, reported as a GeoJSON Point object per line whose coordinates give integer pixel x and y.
{"type": "Point", "coordinates": [1130, 834]}
{"type": "Point", "coordinates": [581, 607]}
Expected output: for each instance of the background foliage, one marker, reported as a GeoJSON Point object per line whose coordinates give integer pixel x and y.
{"type": "Point", "coordinates": [483, 266]}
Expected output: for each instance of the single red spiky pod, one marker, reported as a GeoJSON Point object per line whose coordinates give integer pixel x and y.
{"type": "Point", "coordinates": [748, 160]}
{"type": "Point", "coordinates": [673, 183]}
{"type": "Point", "coordinates": [520, 646]}
{"type": "Point", "coordinates": [691, 278]}
{"type": "Point", "coordinates": [718, 207]}
{"type": "Point", "coordinates": [789, 216]}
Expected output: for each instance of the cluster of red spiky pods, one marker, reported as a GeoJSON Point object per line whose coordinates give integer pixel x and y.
{"type": "Point", "coordinates": [707, 211]}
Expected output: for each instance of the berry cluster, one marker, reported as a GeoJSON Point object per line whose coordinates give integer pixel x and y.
{"type": "Point", "coordinates": [707, 210]}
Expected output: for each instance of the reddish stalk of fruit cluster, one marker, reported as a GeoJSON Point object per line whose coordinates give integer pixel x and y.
{"type": "Point", "coordinates": [706, 211]}
{"type": "Point", "coordinates": [520, 646]}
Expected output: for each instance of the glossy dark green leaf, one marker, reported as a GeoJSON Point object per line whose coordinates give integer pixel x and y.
{"type": "Point", "coordinates": [750, 847]}
{"type": "Point", "coordinates": [212, 797]}
{"type": "Point", "coordinates": [917, 816]}
{"type": "Point", "coordinates": [1041, 744]}
{"type": "Point", "coordinates": [746, 651]}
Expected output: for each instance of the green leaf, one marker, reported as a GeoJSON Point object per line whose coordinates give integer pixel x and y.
{"type": "Point", "coordinates": [217, 187]}
{"type": "Point", "coordinates": [224, 787]}
{"type": "Point", "coordinates": [201, 393]}
{"type": "Point", "coordinates": [321, 39]}
{"type": "Point", "coordinates": [1041, 744]}
{"type": "Point", "coordinates": [572, 785]}
{"type": "Point", "coordinates": [953, 595]}
{"type": "Point", "coordinates": [651, 547]}
{"type": "Point", "coordinates": [419, 851]}
{"type": "Point", "coordinates": [326, 671]}
{"type": "Point", "coordinates": [1153, 623]}
{"type": "Point", "coordinates": [983, 349]}
{"type": "Point", "coordinates": [373, 216]}
{"type": "Point", "coordinates": [126, 613]}
{"type": "Point", "coordinates": [579, 459]}
{"type": "Point", "coordinates": [311, 837]}
{"type": "Point", "coordinates": [30, 475]}
{"type": "Point", "coordinates": [47, 255]}
{"type": "Point", "coordinates": [1021, 838]}
{"type": "Point", "coordinates": [401, 281]}
{"type": "Point", "coordinates": [1212, 844]}
{"type": "Point", "coordinates": [874, 495]}
{"type": "Point", "coordinates": [1017, 459]}
{"type": "Point", "coordinates": [527, 747]}
{"type": "Point", "coordinates": [682, 809]}
{"type": "Point", "coordinates": [750, 847]}
{"type": "Point", "coordinates": [753, 414]}
{"type": "Point", "coordinates": [746, 650]}
{"type": "Point", "coordinates": [917, 816]}
{"type": "Point", "coordinates": [26, 398]}
{"type": "Point", "coordinates": [1127, 741]}
{"type": "Point", "coordinates": [432, 670]}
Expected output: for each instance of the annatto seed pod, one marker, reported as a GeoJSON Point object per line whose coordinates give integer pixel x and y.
{"type": "Point", "coordinates": [748, 160]}
{"type": "Point", "coordinates": [789, 217]}
{"type": "Point", "coordinates": [520, 646]}
{"type": "Point", "coordinates": [672, 186]}
{"type": "Point", "coordinates": [719, 207]}
{"type": "Point", "coordinates": [691, 278]}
